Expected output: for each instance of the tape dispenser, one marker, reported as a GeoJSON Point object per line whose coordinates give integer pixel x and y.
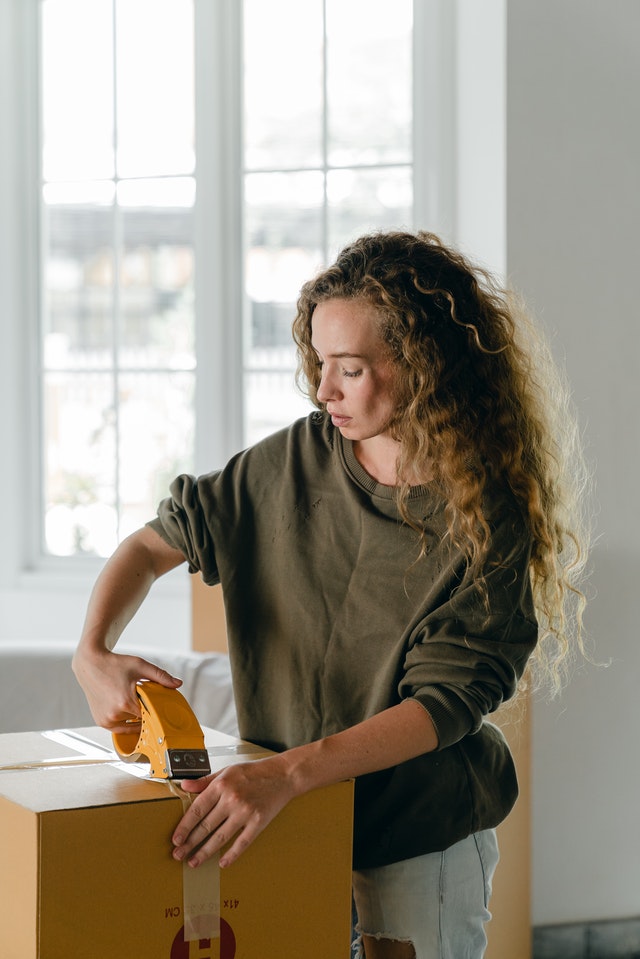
{"type": "Point", "coordinates": [168, 736]}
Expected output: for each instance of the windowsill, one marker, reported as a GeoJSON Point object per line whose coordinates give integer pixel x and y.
{"type": "Point", "coordinates": [79, 575]}
{"type": "Point", "coordinates": [49, 604]}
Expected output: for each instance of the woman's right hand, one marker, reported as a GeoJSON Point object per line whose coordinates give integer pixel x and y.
{"type": "Point", "coordinates": [109, 680]}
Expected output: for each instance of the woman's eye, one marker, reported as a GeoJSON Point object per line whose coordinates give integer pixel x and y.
{"type": "Point", "coordinates": [351, 372]}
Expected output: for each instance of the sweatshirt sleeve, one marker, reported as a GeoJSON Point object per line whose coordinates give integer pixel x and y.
{"type": "Point", "coordinates": [469, 652]}
{"type": "Point", "coordinates": [182, 521]}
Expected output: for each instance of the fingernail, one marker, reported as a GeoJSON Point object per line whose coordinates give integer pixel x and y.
{"type": "Point", "coordinates": [178, 854]}
{"type": "Point", "coordinates": [177, 840]}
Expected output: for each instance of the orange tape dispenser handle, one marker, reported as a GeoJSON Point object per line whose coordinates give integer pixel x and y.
{"type": "Point", "coordinates": [169, 735]}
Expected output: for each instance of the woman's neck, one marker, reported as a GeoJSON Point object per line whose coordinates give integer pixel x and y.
{"type": "Point", "coordinates": [378, 460]}
{"type": "Point", "coordinates": [378, 456]}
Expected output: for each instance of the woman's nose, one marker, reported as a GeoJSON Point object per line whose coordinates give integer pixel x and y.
{"type": "Point", "coordinates": [327, 389]}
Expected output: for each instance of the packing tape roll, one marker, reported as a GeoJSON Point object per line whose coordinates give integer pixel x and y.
{"type": "Point", "coordinates": [200, 888]}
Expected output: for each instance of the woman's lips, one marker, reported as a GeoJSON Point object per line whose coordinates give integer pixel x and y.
{"type": "Point", "coordinates": [338, 420]}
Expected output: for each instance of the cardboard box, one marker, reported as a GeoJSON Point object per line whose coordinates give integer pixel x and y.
{"type": "Point", "coordinates": [86, 870]}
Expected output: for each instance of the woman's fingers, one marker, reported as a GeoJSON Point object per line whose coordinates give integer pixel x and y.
{"type": "Point", "coordinates": [233, 806]}
{"type": "Point", "coordinates": [109, 683]}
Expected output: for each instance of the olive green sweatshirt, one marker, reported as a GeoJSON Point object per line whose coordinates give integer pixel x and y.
{"type": "Point", "coordinates": [332, 617]}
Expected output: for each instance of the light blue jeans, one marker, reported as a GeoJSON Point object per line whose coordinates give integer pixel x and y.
{"type": "Point", "coordinates": [438, 902]}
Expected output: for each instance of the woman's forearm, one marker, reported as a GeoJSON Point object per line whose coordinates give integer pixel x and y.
{"type": "Point", "coordinates": [109, 679]}
{"type": "Point", "coordinates": [122, 586]}
{"type": "Point", "coordinates": [386, 739]}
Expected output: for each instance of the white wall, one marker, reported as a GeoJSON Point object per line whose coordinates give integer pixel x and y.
{"type": "Point", "coordinates": [481, 130]}
{"type": "Point", "coordinates": [573, 248]}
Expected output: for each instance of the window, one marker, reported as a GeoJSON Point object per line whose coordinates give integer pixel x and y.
{"type": "Point", "coordinates": [199, 162]}
{"type": "Point", "coordinates": [118, 194]}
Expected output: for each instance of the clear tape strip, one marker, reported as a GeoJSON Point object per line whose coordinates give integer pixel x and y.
{"type": "Point", "coordinates": [63, 761]}
{"type": "Point", "coordinates": [200, 888]}
{"type": "Point", "coordinates": [74, 739]}
{"type": "Point", "coordinates": [236, 749]}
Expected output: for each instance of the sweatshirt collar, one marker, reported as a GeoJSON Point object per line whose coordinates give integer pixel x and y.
{"type": "Point", "coordinates": [367, 482]}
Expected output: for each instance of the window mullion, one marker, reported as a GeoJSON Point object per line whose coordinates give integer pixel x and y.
{"type": "Point", "coordinates": [116, 304]}
{"type": "Point", "coordinates": [325, 137]}
{"type": "Point", "coordinates": [219, 286]}
{"type": "Point", "coordinates": [32, 278]}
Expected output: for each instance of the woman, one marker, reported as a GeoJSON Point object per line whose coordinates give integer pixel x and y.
{"type": "Point", "coordinates": [389, 564]}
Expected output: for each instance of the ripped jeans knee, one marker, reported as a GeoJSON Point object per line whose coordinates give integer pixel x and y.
{"type": "Point", "coordinates": [382, 946]}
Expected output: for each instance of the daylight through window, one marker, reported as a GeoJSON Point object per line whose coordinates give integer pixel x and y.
{"type": "Point", "coordinates": [326, 134]}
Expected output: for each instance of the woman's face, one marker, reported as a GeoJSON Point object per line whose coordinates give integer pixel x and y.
{"type": "Point", "coordinates": [357, 372]}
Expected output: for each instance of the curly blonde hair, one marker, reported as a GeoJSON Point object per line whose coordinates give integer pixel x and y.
{"type": "Point", "coordinates": [480, 404]}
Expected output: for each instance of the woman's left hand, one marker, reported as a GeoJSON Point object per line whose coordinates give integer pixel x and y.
{"type": "Point", "coordinates": [234, 804]}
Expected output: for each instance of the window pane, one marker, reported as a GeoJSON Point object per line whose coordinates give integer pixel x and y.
{"type": "Point", "coordinates": [284, 218]}
{"type": "Point", "coordinates": [156, 275]}
{"type": "Point", "coordinates": [284, 237]}
{"type": "Point", "coordinates": [77, 86]}
{"type": "Point", "coordinates": [369, 67]}
{"type": "Point", "coordinates": [271, 399]}
{"type": "Point", "coordinates": [284, 232]}
{"type": "Point", "coordinates": [155, 106]}
{"type": "Point", "coordinates": [78, 275]}
{"type": "Point", "coordinates": [80, 458]}
{"type": "Point", "coordinates": [283, 83]}
{"type": "Point", "coordinates": [155, 422]}
{"type": "Point", "coordinates": [156, 431]}
{"type": "Point", "coordinates": [362, 201]}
